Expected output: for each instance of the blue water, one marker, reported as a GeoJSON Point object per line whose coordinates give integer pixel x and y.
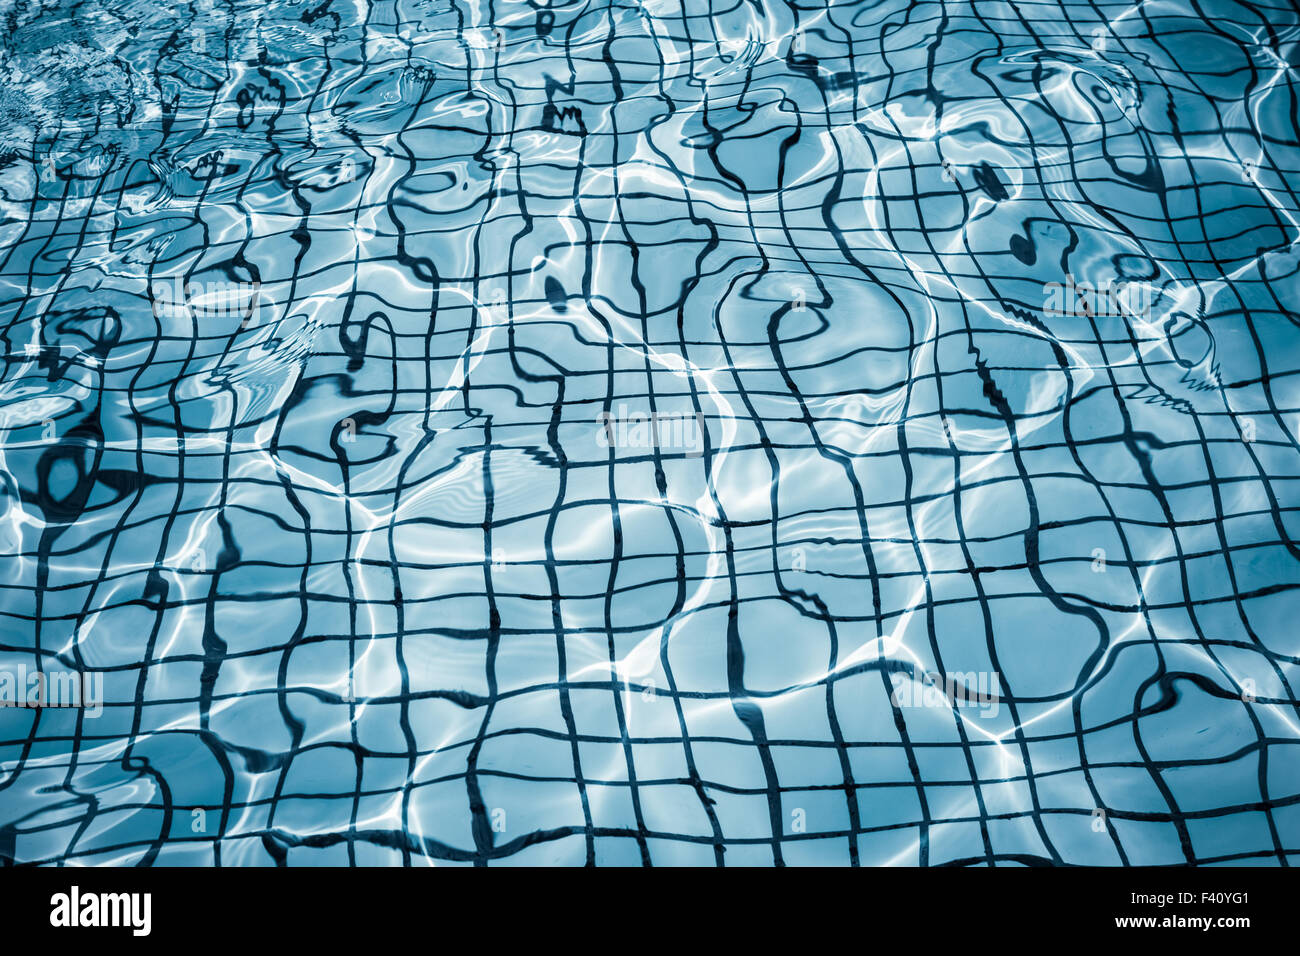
{"type": "Point", "coordinates": [649, 432]}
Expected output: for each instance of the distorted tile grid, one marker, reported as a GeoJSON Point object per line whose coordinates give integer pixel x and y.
{"type": "Point", "coordinates": [334, 334]}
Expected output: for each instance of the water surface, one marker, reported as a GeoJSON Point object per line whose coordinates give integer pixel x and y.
{"type": "Point", "coordinates": [650, 432]}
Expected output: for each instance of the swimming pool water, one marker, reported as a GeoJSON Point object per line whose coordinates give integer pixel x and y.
{"type": "Point", "coordinates": [654, 431]}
